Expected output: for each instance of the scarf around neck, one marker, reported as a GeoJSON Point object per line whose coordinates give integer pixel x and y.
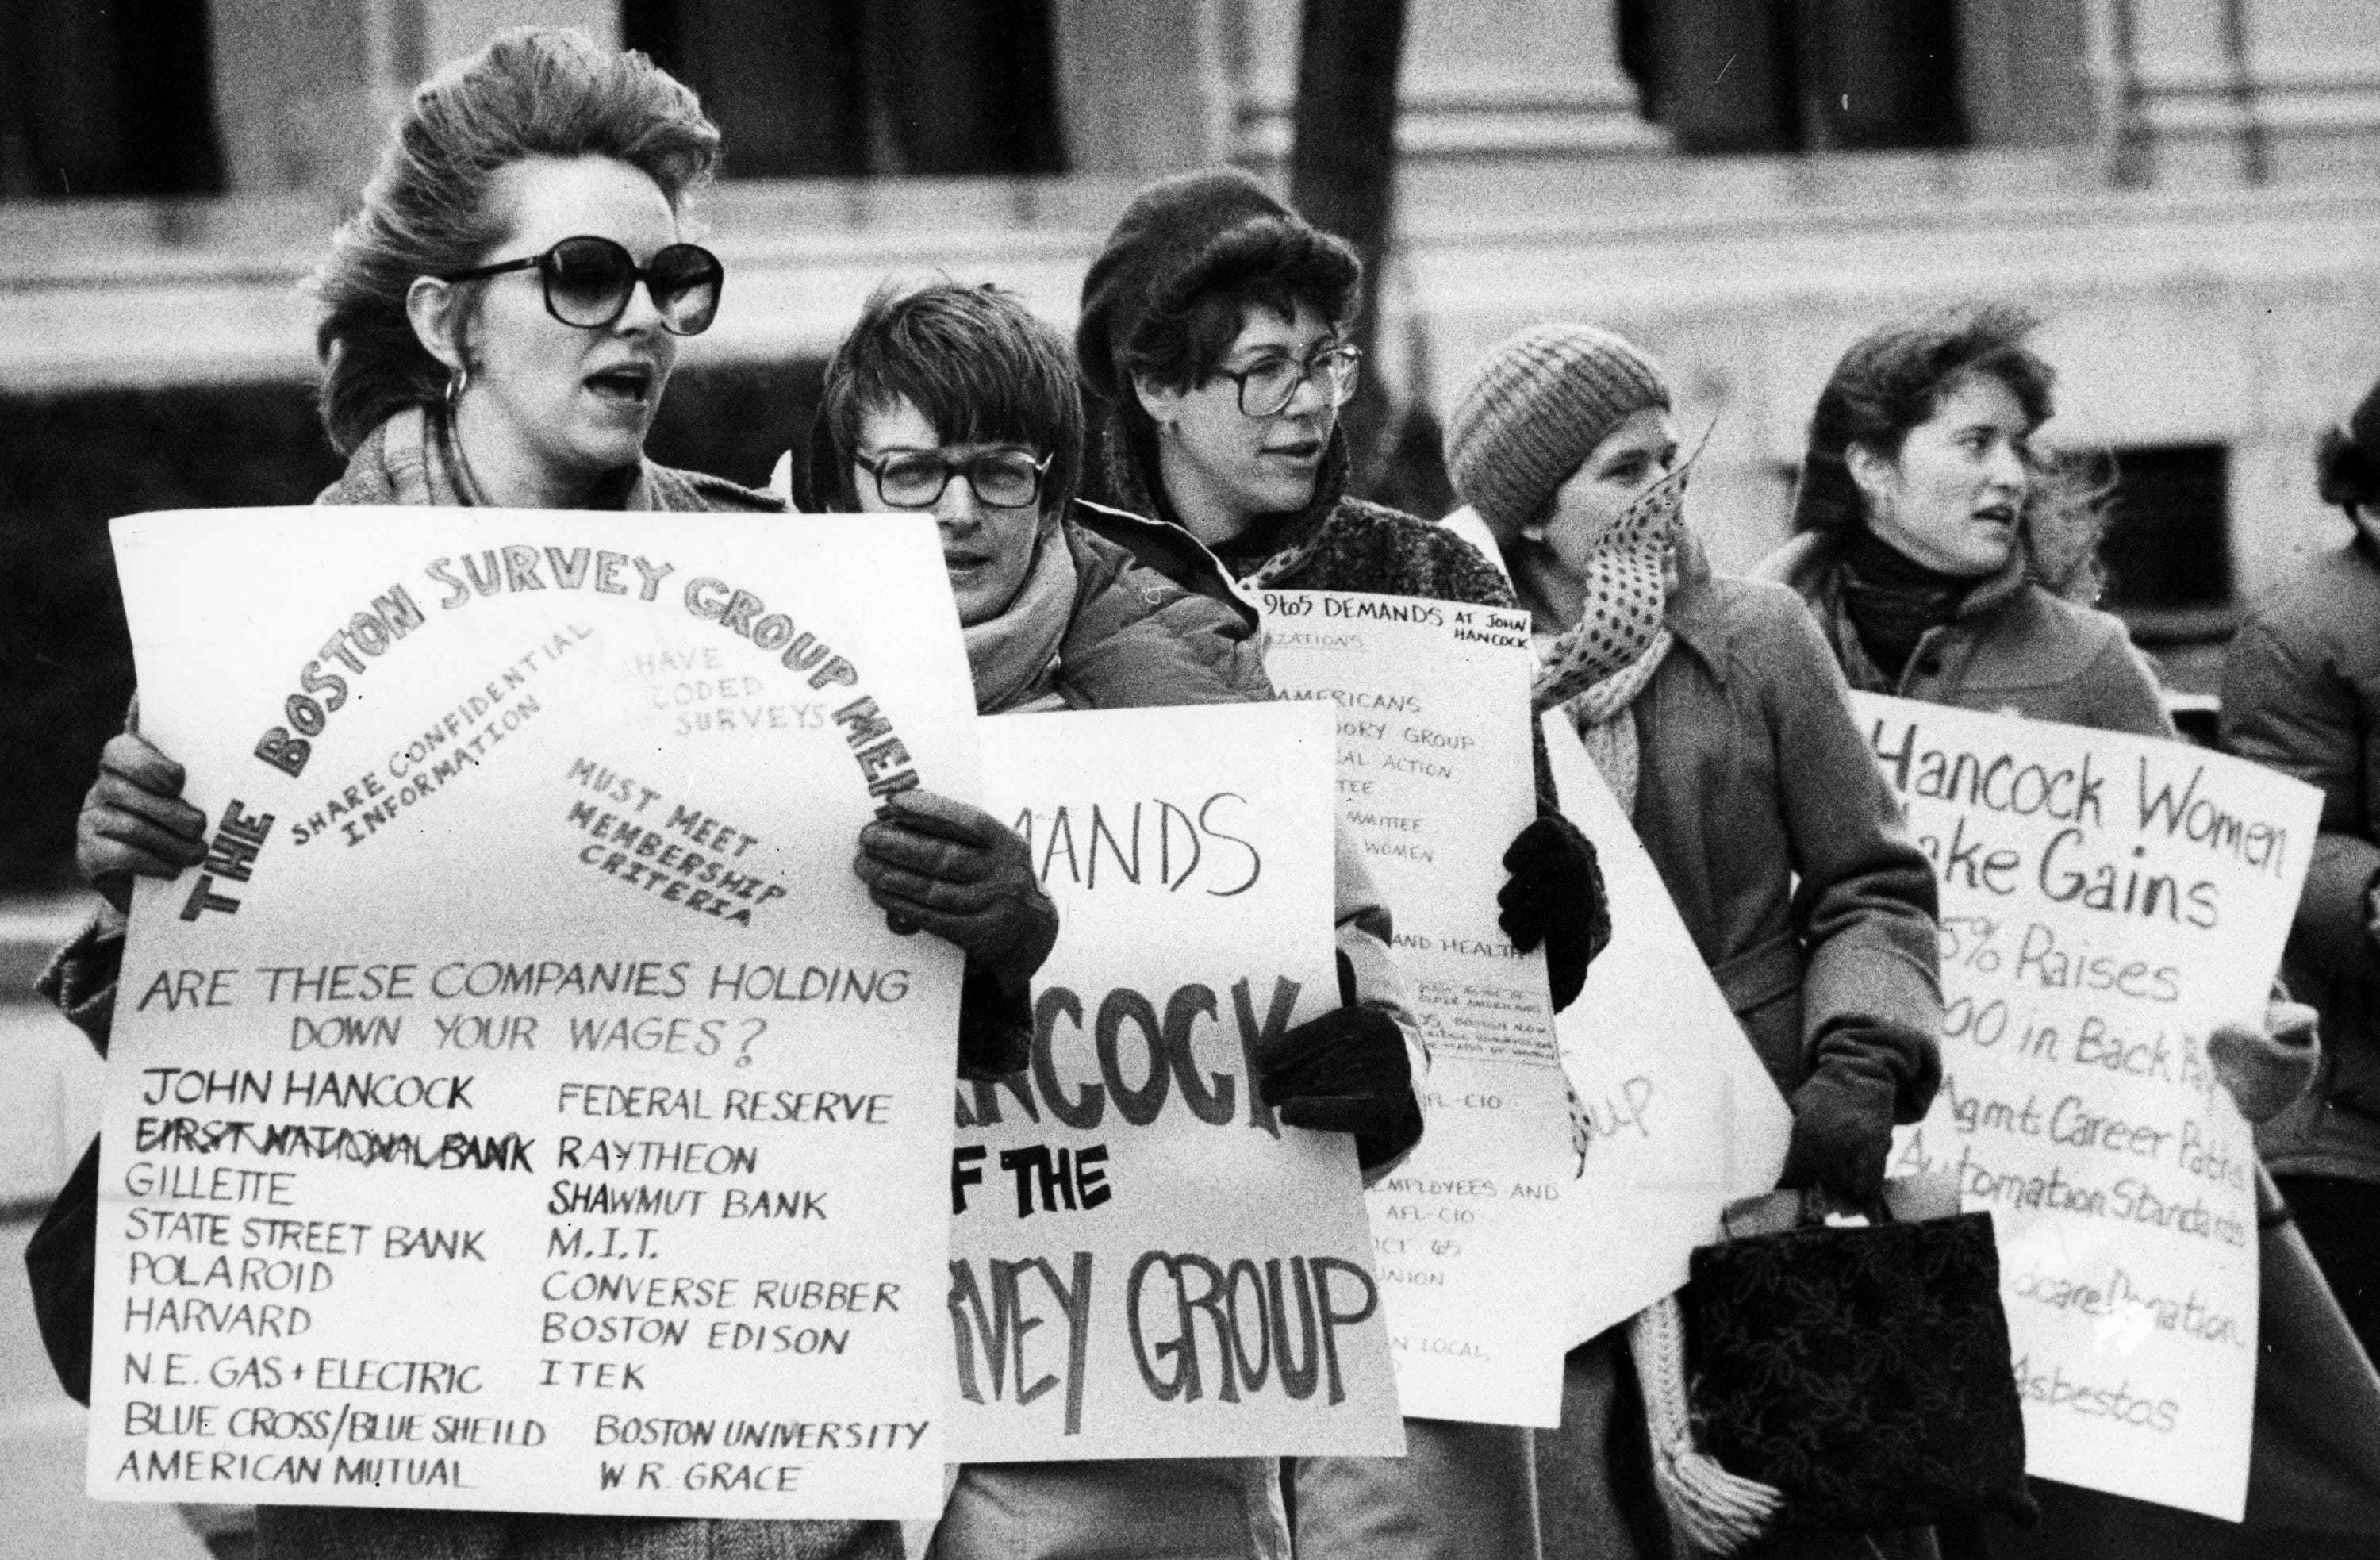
{"type": "Point", "coordinates": [1593, 669]}
{"type": "Point", "coordinates": [411, 460]}
{"type": "Point", "coordinates": [1013, 653]}
{"type": "Point", "coordinates": [1893, 601]}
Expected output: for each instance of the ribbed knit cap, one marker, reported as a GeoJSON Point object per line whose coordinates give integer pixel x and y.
{"type": "Point", "coordinates": [1536, 410]}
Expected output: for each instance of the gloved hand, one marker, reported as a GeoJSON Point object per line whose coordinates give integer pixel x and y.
{"type": "Point", "coordinates": [134, 822]}
{"type": "Point", "coordinates": [2265, 1073]}
{"type": "Point", "coordinates": [1842, 1134]}
{"type": "Point", "coordinates": [950, 869]}
{"type": "Point", "coordinates": [1555, 896]}
{"type": "Point", "coordinates": [1346, 1071]}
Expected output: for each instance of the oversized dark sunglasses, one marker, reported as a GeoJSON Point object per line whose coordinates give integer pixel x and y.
{"type": "Point", "coordinates": [910, 478]}
{"type": "Point", "coordinates": [589, 282]}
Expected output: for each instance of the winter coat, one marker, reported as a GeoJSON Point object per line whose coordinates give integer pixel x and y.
{"type": "Point", "coordinates": [1804, 895]}
{"type": "Point", "coordinates": [2013, 646]}
{"type": "Point", "coordinates": [1140, 638]}
{"type": "Point", "coordinates": [2301, 695]}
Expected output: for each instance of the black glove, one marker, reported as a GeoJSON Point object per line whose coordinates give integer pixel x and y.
{"type": "Point", "coordinates": [995, 1028]}
{"type": "Point", "coordinates": [1555, 896]}
{"type": "Point", "coordinates": [950, 869]}
{"type": "Point", "coordinates": [1842, 1134]}
{"type": "Point", "coordinates": [1346, 1071]}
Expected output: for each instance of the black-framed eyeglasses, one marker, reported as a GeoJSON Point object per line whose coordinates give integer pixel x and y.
{"type": "Point", "coordinates": [1266, 389]}
{"type": "Point", "coordinates": [589, 280]}
{"type": "Point", "coordinates": [913, 478]}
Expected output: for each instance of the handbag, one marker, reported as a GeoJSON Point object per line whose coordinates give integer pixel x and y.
{"type": "Point", "coordinates": [1862, 1370]}
{"type": "Point", "coordinates": [60, 1260]}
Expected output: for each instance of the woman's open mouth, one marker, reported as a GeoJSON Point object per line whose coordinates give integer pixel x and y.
{"type": "Point", "coordinates": [628, 384]}
{"type": "Point", "coordinates": [1300, 452]}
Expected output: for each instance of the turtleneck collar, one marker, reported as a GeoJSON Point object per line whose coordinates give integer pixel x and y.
{"type": "Point", "coordinates": [1893, 601]}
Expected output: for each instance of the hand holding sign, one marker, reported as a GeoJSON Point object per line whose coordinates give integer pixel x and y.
{"type": "Point", "coordinates": [956, 871]}
{"type": "Point", "coordinates": [134, 822]}
{"type": "Point", "coordinates": [1345, 1071]}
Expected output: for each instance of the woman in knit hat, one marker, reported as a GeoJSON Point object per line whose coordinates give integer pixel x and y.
{"type": "Point", "coordinates": [1715, 711]}
{"type": "Point", "coordinates": [1215, 323]}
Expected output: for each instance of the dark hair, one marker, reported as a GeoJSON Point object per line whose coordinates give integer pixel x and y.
{"type": "Point", "coordinates": [531, 92]}
{"type": "Point", "coordinates": [1894, 379]}
{"type": "Point", "coordinates": [979, 365]}
{"type": "Point", "coordinates": [1275, 261]}
{"type": "Point", "coordinates": [2344, 472]}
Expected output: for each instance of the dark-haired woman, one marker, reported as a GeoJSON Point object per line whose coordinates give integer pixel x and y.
{"type": "Point", "coordinates": [959, 401]}
{"type": "Point", "coordinates": [1946, 560]}
{"type": "Point", "coordinates": [1215, 320]}
{"type": "Point", "coordinates": [1931, 538]}
{"type": "Point", "coordinates": [501, 319]}
{"type": "Point", "coordinates": [2301, 694]}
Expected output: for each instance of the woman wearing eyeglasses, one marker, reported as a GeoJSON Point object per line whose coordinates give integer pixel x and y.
{"type": "Point", "coordinates": [958, 401]}
{"type": "Point", "coordinates": [1215, 323]}
{"type": "Point", "coordinates": [501, 316]}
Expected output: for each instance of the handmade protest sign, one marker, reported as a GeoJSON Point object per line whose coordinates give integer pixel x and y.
{"type": "Point", "coordinates": [1435, 777]}
{"type": "Point", "coordinates": [2107, 901]}
{"type": "Point", "coordinates": [1681, 1118]}
{"type": "Point", "coordinates": [1145, 1262]}
{"type": "Point", "coordinates": [522, 1107]}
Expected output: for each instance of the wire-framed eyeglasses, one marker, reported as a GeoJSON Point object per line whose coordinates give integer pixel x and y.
{"type": "Point", "coordinates": [913, 478]}
{"type": "Point", "coordinates": [1266, 389]}
{"type": "Point", "coordinates": [589, 281]}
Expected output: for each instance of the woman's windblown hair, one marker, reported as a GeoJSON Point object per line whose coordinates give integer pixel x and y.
{"type": "Point", "coordinates": [429, 207]}
{"type": "Point", "coordinates": [1893, 379]}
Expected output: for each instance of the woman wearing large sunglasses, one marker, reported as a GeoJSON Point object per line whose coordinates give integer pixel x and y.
{"type": "Point", "coordinates": [501, 316]}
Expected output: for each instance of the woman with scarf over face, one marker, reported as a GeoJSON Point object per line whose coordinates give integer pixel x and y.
{"type": "Point", "coordinates": [1215, 323]}
{"type": "Point", "coordinates": [957, 400]}
{"type": "Point", "coordinates": [501, 316]}
{"type": "Point", "coordinates": [1714, 711]}
{"type": "Point", "coordinates": [1946, 560]}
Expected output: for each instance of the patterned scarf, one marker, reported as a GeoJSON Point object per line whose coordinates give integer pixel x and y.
{"type": "Point", "coordinates": [1594, 670]}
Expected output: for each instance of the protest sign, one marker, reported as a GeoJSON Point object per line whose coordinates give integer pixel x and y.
{"type": "Point", "coordinates": [522, 1107]}
{"type": "Point", "coordinates": [1435, 779]}
{"type": "Point", "coordinates": [1681, 1116]}
{"type": "Point", "coordinates": [2107, 901]}
{"type": "Point", "coordinates": [1145, 1262]}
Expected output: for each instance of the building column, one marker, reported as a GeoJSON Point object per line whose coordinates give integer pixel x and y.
{"type": "Point", "coordinates": [1502, 90]}
{"type": "Point", "coordinates": [2221, 93]}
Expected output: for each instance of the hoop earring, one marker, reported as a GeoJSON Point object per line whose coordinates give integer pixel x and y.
{"type": "Point", "coordinates": [456, 383]}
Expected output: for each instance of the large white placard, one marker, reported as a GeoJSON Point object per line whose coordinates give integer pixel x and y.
{"type": "Point", "coordinates": [2107, 901]}
{"type": "Point", "coordinates": [523, 1108]}
{"type": "Point", "coordinates": [1682, 1117]}
{"type": "Point", "coordinates": [1431, 701]}
{"type": "Point", "coordinates": [1145, 1262]}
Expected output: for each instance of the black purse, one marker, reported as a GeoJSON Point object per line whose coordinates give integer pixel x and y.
{"type": "Point", "coordinates": [1861, 1371]}
{"type": "Point", "coordinates": [60, 1260]}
